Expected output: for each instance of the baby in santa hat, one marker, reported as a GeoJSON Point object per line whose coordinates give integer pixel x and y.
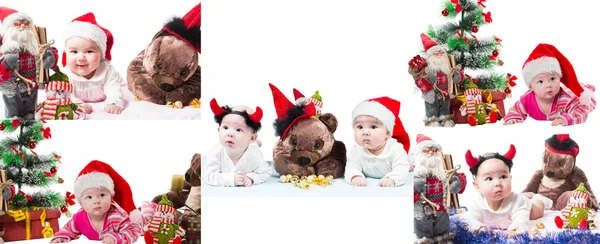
{"type": "Point", "coordinates": [382, 144]}
{"type": "Point", "coordinates": [237, 159]}
{"type": "Point", "coordinates": [105, 198]}
{"type": "Point", "coordinates": [497, 206]}
{"type": "Point", "coordinates": [564, 104]}
{"type": "Point", "coordinates": [87, 55]}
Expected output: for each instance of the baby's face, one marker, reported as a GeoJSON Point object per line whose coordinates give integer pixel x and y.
{"type": "Point", "coordinates": [369, 132]}
{"type": "Point", "coordinates": [95, 201]}
{"type": "Point", "coordinates": [493, 180]}
{"type": "Point", "coordinates": [83, 56]}
{"type": "Point", "coordinates": [234, 134]}
{"type": "Point", "coordinates": [545, 85]}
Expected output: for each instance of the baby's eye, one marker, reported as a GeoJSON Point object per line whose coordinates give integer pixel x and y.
{"type": "Point", "coordinates": [504, 177]}
{"type": "Point", "coordinates": [488, 179]}
{"type": "Point", "coordinates": [359, 127]}
{"type": "Point", "coordinates": [102, 194]}
{"type": "Point", "coordinates": [73, 51]}
{"type": "Point", "coordinates": [225, 127]}
{"type": "Point", "coordinates": [88, 197]}
{"type": "Point", "coordinates": [373, 127]}
{"type": "Point", "coordinates": [239, 130]}
{"type": "Point", "coordinates": [540, 81]}
{"type": "Point", "coordinates": [90, 51]}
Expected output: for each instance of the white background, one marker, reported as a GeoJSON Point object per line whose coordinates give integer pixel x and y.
{"type": "Point", "coordinates": [132, 24]}
{"type": "Point", "coordinates": [146, 154]}
{"type": "Point", "coordinates": [355, 50]}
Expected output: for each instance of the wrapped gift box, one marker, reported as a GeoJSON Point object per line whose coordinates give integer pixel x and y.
{"type": "Point", "coordinates": [497, 98]}
{"type": "Point", "coordinates": [16, 231]}
{"type": "Point", "coordinates": [191, 225]}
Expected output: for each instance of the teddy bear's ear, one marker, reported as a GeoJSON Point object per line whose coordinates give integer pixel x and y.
{"type": "Point", "coordinates": [330, 121]}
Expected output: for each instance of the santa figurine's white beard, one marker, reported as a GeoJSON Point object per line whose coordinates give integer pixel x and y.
{"type": "Point", "coordinates": [437, 64]}
{"type": "Point", "coordinates": [19, 38]}
{"type": "Point", "coordinates": [426, 165]}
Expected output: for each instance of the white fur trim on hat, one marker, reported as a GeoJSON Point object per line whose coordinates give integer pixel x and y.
{"type": "Point", "coordinates": [93, 180]}
{"type": "Point", "coordinates": [434, 49]}
{"type": "Point", "coordinates": [540, 65]}
{"type": "Point", "coordinates": [12, 18]}
{"type": "Point", "coordinates": [377, 110]}
{"type": "Point", "coordinates": [427, 144]}
{"type": "Point", "coordinates": [87, 31]}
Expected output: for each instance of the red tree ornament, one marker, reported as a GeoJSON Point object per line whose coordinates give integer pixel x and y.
{"type": "Point", "coordinates": [445, 12]}
{"type": "Point", "coordinates": [475, 29]}
{"type": "Point", "coordinates": [32, 145]}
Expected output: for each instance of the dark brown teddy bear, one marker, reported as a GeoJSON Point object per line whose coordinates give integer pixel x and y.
{"type": "Point", "coordinates": [560, 175]}
{"type": "Point", "coordinates": [167, 70]}
{"type": "Point", "coordinates": [192, 181]}
{"type": "Point", "coordinates": [306, 143]}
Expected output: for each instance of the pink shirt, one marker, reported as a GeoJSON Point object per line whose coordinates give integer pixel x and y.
{"type": "Point", "coordinates": [565, 105]}
{"type": "Point", "coordinates": [116, 225]}
{"type": "Point", "coordinates": [104, 86]}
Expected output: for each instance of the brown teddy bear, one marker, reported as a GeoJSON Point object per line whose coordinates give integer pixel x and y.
{"type": "Point", "coordinates": [167, 70]}
{"type": "Point", "coordinates": [306, 143]}
{"type": "Point", "coordinates": [560, 175]}
{"type": "Point", "coordinates": [191, 188]}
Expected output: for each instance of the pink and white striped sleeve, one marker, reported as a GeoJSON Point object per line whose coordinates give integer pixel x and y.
{"type": "Point", "coordinates": [517, 111]}
{"type": "Point", "coordinates": [68, 231]}
{"type": "Point", "coordinates": [577, 113]}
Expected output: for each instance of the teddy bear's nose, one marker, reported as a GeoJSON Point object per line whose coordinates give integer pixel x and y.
{"type": "Point", "coordinates": [167, 87]}
{"type": "Point", "coordinates": [303, 161]}
{"type": "Point", "coordinates": [550, 174]}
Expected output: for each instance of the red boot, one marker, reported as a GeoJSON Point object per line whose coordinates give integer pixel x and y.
{"type": "Point", "coordinates": [493, 117]}
{"type": "Point", "coordinates": [148, 238]}
{"type": "Point", "coordinates": [472, 120]}
{"type": "Point", "coordinates": [559, 222]}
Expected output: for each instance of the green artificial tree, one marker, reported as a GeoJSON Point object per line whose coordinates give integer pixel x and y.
{"type": "Point", "coordinates": [473, 53]}
{"type": "Point", "coordinates": [24, 167]}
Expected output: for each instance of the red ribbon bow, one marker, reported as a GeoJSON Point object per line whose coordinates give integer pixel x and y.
{"type": "Point", "coordinates": [492, 57]}
{"type": "Point", "coordinates": [487, 16]}
{"type": "Point", "coordinates": [48, 174]}
{"type": "Point", "coordinates": [458, 8]}
{"type": "Point", "coordinates": [46, 132]}
{"type": "Point", "coordinates": [16, 123]}
{"type": "Point", "coordinates": [480, 2]}
{"type": "Point", "coordinates": [454, 1]}
{"type": "Point", "coordinates": [511, 79]}
{"type": "Point", "coordinates": [69, 199]}
{"type": "Point", "coordinates": [498, 40]}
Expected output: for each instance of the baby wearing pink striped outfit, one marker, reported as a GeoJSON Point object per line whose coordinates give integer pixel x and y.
{"type": "Point", "coordinates": [87, 55]}
{"type": "Point", "coordinates": [106, 202]}
{"type": "Point", "coordinates": [564, 104]}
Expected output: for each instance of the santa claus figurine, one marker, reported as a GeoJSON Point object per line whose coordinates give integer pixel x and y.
{"type": "Point", "coordinates": [432, 222]}
{"type": "Point", "coordinates": [19, 68]}
{"type": "Point", "coordinates": [434, 76]}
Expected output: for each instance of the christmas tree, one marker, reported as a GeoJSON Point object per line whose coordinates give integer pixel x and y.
{"type": "Point", "coordinates": [24, 167]}
{"type": "Point", "coordinates": [473, 53]}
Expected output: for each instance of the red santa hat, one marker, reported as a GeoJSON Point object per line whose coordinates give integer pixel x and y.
{"type": "Point", "coordinates": [426, 142]}
{"type": "Point", "coordinates": [288, 113]}
{"type": "Point", "coordinates": [545, 58]}
{"type": "Point", "coordinates": [9, 16]}
{"type": "Point", "coordinates": [99, 174]}
{"type": "Point", "coordinates": [186, 28]}
{"type": "Point", "coordinates": [562, 144]}
{"type": "Point", "coordinates": [387, 111]}
{"type": "Point", "coordinates": [86, 27]}
{"type": "Point", "coordinates": [430, 46]}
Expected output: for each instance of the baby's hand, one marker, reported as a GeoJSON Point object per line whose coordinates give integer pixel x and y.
{"type": "Point", "coordinates": [512, 121]}
{"type": "Point", "coordinates": [359, 181]}
{"type": "Point", "coordinates": [60, 240]}
{"type": "Point", "coordinates": [386, 182]}
{"type": "Point", "coordinates": [238, 178]}
{"type": "Point", "coordinates": [108, 240]}
{"type": "Point", "coordinates": [112, 109]}
{"type": "Point", "coordinates": [559, 121]}
{"type": "Point", "coordinates": [86, 108]}
{"type": "Point", "coordinates": [247, 181]}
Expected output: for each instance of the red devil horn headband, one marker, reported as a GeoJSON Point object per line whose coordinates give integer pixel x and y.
{"type": "Point", "coordinates": [473, 161]}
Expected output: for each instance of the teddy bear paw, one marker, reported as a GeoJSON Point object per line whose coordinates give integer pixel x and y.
{"type": "Point", "coordinates": [178, 105]}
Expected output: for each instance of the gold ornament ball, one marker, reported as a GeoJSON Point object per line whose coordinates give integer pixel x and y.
{"type": "Point", "coordinates": [283, 179]}
{"type": "Point", "coordinates": [540, 225]}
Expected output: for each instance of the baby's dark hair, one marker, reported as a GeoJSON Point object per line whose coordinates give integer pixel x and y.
{"type": "Point", "coordinates": [475, 163]}
{"type": "Point", "coordinates": [219, 118]}
{"type": "Point", "coordinates": [489, 156]}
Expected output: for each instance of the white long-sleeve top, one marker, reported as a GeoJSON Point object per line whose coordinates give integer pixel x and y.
{"type": "Point", "coordinates": [513, 213]}
{"type": "Point", "coordinates": [220, 168]}
{"type": "Point", "coordinates": [392, 163]}
{"type": "Point", "coordinates": [105, 85]}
